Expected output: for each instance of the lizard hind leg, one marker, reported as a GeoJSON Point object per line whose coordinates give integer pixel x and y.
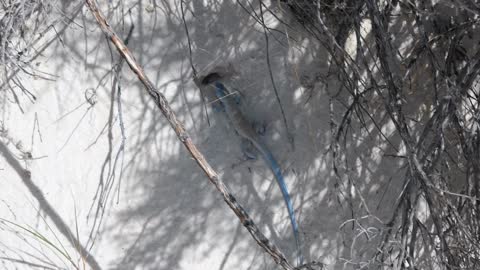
{"type": "Point", "coordinates": [237, 97]}
{"type": "Point", "coordinates": [260, 128]}
{"type": "Point", "coordinates": [248, 149]}
{"type": "Point", "coordinates": [218, 107]}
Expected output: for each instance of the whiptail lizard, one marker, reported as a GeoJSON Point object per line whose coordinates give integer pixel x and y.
{"type": "Point", "coordinates": [245, 130]}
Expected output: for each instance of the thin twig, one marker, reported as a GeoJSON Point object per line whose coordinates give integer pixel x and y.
{"type": "Point", "coordinates": [190, 58]}
{"type": "Point", "coordinates": [287, 130]}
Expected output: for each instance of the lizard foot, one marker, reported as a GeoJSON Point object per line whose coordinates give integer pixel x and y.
{"type": "Point", "coordinates": [248, 149]}
{"type": "Point", "coordinates": [237, 98]}
{"type": "Point", "coordinates": [260, 128]}
{"type": "Point", "coordinates": [218, 107]}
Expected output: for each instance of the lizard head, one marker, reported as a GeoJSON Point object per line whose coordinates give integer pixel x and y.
{"type": "Point", "coordinates": [210, 78]}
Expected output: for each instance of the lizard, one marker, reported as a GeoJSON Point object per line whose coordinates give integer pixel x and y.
{"type": "Point", "coordinates": [246, 131]}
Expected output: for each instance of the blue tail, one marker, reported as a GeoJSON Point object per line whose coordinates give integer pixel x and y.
{"type": "Point", "coordinates": [221, 92]}
{"type": "Point", "coordinates": [286, 197]}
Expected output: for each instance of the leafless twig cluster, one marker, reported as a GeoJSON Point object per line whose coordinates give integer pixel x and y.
{"type": "Point", "coordinates": [415, 70]}
{"type": "Point", "coordinates": [27, 29]}
{"type": "Point", "coordinates": [22, 24]}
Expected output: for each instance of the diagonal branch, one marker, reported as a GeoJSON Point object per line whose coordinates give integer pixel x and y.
{"type": "Point", "coordinates": [183, 136]}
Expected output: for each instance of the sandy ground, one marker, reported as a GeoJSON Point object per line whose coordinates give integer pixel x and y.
{"type": "Point", "coordinates": [150, 206]}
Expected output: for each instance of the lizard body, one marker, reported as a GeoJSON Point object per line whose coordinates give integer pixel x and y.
{"type": "Point", "coordinates": [245, 130]}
